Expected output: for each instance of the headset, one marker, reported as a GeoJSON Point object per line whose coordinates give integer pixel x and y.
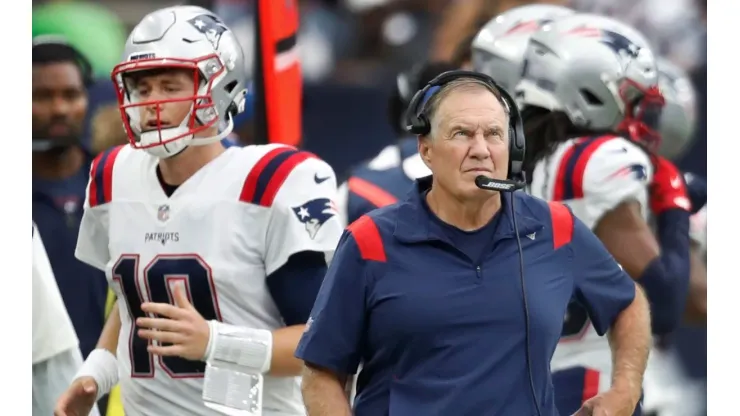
{"type": "Point", "coordinates": [417, 122]}
{"type": "Point", "coordinates": [61, 42]}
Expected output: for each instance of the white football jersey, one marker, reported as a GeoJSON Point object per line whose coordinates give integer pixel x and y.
{"type": "Point", "coordinates": [234, 222]}
{"type": "Point", "coordinates": [592, 175]}
{"type": "Point", "coordinates": [52, 329]}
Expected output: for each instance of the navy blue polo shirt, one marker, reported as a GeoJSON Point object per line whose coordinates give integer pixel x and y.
{"type": "Point", "coordinates": [57, 211]}
{"type": "Point", "coordinates": [440, 333]}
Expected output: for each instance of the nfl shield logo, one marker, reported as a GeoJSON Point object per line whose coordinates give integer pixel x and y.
{"type": "Point", "coordinates": [163, 214]}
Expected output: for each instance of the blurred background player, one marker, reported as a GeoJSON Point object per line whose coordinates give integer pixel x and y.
{"type": "Point", "coordinates": [498, 48]}
{"type": "Point", "coordinates": [61, 167]}
{"type": "Point", "coordinates": [668, 390]}
{"type": "Point", "coordinates": [591, 125]}
{"type": "Point", "coordinates": [678, 118]}
{"type": "Point", "coordinates": [56, 352]}
{"type": "Point", "coordinates": [389, 175]}
{"type": "Point", "coordinates": [209, 249]}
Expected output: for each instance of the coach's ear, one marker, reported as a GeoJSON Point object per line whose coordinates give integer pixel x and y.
{"type": "Point", "coordinates": [425, 149]}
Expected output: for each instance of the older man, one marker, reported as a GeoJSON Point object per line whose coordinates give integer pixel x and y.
{"type": "Point", "coordinates": [454, 298]}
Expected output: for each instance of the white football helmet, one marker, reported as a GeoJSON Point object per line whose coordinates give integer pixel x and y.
{"type": "Point", "coordinates": [498, 49]}
{"type": "Point", "coordinates": [678, 120]}
{"type": "Point", "coordinates": [600, 72]}
{"type": "Point", "coordinates": [182, 37]}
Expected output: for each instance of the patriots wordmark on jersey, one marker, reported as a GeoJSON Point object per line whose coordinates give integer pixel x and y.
{"type": "Point", "coordinates": [234, 222]}
{"type": "Point", "coordinates": [592, 175]}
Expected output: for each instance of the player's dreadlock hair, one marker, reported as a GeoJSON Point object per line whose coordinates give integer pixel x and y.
{"type": "Point", "coordinates": [544, 131]}
{"type": "Point", "coordinates": [407, 83]}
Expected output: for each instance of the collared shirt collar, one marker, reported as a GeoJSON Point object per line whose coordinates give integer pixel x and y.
{"type": "Point", "coordinates": [413, 224]}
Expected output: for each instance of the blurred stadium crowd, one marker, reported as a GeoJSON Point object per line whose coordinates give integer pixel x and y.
{"type": "Point", "coordinates": [351, 52]}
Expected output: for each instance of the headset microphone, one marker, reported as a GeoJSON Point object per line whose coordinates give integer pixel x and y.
{"type": "Point", "coordinates": [501, 185]}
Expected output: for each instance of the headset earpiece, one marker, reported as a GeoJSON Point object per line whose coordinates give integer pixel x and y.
{"type": "Point", "coordinates": [417, 122]}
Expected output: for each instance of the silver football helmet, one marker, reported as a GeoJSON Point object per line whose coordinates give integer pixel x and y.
{"type": "Point", "coordinates": [678, 120]}
{"type": "Point", "coordinates": [182, 37]}
{"type": "Point", "coordinates": [498, 49]}
{"type": "Point", "coordinates": [600, 72]}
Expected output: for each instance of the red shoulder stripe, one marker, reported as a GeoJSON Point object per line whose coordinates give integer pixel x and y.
{"type": "Point", "coordinates": [368, 239]}
{"type": "Point", "coordinates": [562, 224]}
{"type": "Point", "coordinates": [370, 192]}
{"type": "Point", "coordinates": [580, 168]}
{"type": "Point", "coordinates": [100, 190]}
{"type": "Point", "coordinates": [269, 173]}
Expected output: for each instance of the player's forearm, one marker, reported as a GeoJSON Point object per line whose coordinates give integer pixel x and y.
{"type": "Point", "coordinates": [284, 342]}
{"type": "Point", "coordinates": [323, 393]}
{"type": "Point", "coordinates": [109, 336]}
{"type": "Point", "coordinates": [630, 340]}
{"type": "Point", "coordinates": [666, 279]}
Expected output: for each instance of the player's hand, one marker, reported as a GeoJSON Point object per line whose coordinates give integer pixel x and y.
{"type": "Point", "coordinates": [79, 398]}
{"type": "Point", "coordinates": [180, 331]}
{"type": "Point", "coordinates": [668, 189]}
{"type": "Point", "coordinates": [609, 403]}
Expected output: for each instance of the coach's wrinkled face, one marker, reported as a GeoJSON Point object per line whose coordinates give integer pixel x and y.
{"type": "Point", "coordinates": [469, 138]}
{"type": "Point", "coordinates": [166, 96]}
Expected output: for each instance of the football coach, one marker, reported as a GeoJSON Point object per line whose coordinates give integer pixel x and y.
{"type": "Point", "coordinates": [453, 300]}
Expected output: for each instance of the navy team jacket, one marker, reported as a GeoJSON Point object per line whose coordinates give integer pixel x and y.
{"type": "Point", "coordinates": [440, 334]}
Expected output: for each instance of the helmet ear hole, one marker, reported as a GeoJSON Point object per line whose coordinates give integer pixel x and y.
{"type": "Point", "coordinates": [229, 88]}
{"type": "Point", "coordinates": [590, 97]}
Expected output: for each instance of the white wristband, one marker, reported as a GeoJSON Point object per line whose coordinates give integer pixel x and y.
{"type": "Point", "coordinates": [244, 347]}
{"type": "Point", "coordinates": [102, 366]}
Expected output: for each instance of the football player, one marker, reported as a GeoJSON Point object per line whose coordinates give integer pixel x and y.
{"type": "Point", "coordinates": [668, 390]}
{"type": "Point", "coordinates": [211, 250]}
{"type": "Point", "coordinates": [390, 174]}
{"type": "Point", "coordinates": [498, 49]}
{"type": "Point", "coordinates": [56, 353]}
{"type": "Point", "coordinates": [592, 106]}
{"type": "Point", "coordinates": [677, 125]}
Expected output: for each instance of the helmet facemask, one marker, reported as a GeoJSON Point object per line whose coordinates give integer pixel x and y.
{"type": "Point", "coordinates": [642, 111]}
{"type": "Point", "coordinates": [166, 137]}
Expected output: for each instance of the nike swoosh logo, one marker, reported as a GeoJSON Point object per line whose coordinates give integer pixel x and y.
{"type": "Point", "coordinates": [319, 180]}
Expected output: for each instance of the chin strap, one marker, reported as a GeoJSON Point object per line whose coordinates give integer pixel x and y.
{"type": "Point", "coordinates": [201, 141]}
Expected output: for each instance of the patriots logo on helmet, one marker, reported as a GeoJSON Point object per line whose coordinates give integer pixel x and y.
{"type": "Point", "coordinates": [619, 43]}
{"type": "Point", "coordinates": [314, 214]}
{"type": "Point", "coordinates": [210, 26]}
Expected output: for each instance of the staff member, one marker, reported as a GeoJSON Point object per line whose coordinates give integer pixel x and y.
{"type": "Point", "coordinates": [56, 354]}
{"type": "Point", "coordinates": [454, 298]}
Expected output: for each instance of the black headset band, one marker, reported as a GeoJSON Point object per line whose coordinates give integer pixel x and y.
{"type": "Point", "coordinates": [449, 76]}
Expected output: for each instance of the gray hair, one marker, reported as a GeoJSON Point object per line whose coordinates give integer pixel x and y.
{"type": "Point", "coordinates": [464, 83]}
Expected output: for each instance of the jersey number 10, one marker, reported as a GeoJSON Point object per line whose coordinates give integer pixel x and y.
{"type": "Point", "coordinates": [158, 276]}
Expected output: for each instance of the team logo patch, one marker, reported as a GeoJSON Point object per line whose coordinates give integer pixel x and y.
{"type": "Point", "coordinates": [210, 26]}
{"type": "Point", "coordinates": [314, 213]}
{"type": "Point", "coordinates": [163, 213]}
